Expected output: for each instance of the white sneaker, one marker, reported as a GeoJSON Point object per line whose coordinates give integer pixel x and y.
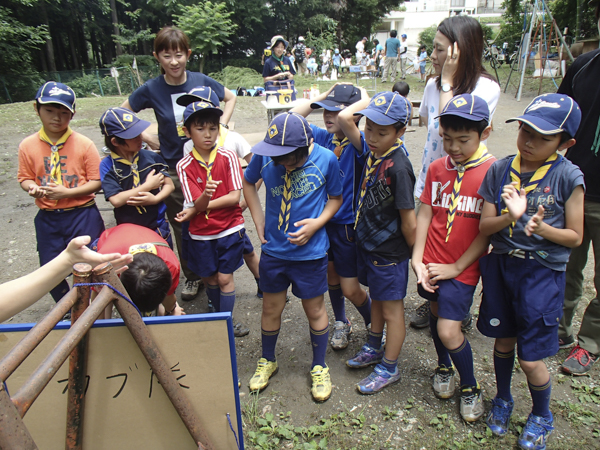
{"type": "Point", "coordinates": [190, 290]}
{"type": "Point", "coordinates": [471, 403]}
{"type": "Point", "coordinates": [443, 382]}
{"type": "Point", "coordinates": [341, 330]}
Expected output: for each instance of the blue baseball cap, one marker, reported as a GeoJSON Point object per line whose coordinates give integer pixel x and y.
{"type": "Point", "coordinates": [552, 114]}
{"type": "Point", "coordinates": [387, 108]}
{"type": "Point", "coordinates": [339, 98]}
{"type": "Point", "coordinates": [53, 92]}
{"type": "Point", "coordinates": [287, 131]}
{"type": "Point", "coordinates": [198, 94]}
{"type": "Point", "coordinates": [199, 107]}
{"type": "Point", "coordinates": [404, 36]}
{"type": "Point", "coordinates": [467, 106]}
{"type": "Point", "coordinates": [122, 123]}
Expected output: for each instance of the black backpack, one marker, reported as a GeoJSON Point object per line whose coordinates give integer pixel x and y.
{"type": "Point", "coordinates": [299, 54]}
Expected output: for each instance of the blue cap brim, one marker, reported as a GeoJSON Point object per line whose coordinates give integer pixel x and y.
{"type": "Point", "coordinates": [471, 117]}
{"type": "Point", "coordinates": [265, 149]}
{"type": "Point", "coordinates": [376, 116]}
{"type": "Point", "coordinates": [50, 100]}
{"type": "Point", "coordinates": [328, 105]}
{"type": "Point", "coordinates": [538, 124]}
{"type": "Point", "coordinates": [208, 108]}
{"type": "Point", "coordinates": [135, 130]}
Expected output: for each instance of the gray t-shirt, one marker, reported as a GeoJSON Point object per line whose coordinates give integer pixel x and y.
{"type": "Point", "coordinates": [552, 193]}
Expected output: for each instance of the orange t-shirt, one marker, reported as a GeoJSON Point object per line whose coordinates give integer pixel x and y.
{"type": "Point", "coordinates": [79, 161]}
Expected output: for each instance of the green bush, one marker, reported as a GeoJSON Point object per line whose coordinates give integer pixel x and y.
{"type": "Point", "coordinates": [88, 86]}
{"type": "Point", "coordinates": [234, 77]}
{"type": "Point", "coordinates": [426, 38]}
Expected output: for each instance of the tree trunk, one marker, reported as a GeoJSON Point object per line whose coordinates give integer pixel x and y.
{"type": "Point", "coordinates": [48, 45]}
{"type": "Point", "coordinates": [115, 23]}
{"type": "Point", "coordinates": [74, 59]}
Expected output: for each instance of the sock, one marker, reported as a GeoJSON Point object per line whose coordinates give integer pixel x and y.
{"type": "Point", "coordinates": [214, 296]}
{"type": "Point", "coordinates": [503, 366]}
{"type": "Point", "coordinates": [365, 310]}
{"type": "Point", "coordinates": [462, 357]}
{"type": "Point", "coordinates": [374, 339]}
{"type": "Point", "coordinates": [540, 395]}
{"type": "Point", "coordinates": [389, 365]}
{"type": "Point", "coordinates": [227, 301]}
{"type": "Point", "coordinates": [269, 341]}
{"type": "Point", "coordinates": [338, 303]}
{"type": "Point", "coordinates": [319, 339]}
{"type": "Point", "coordinates": [442, 352]}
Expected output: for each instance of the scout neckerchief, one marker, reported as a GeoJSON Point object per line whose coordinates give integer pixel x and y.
{"type": "Point", "coordinates": [223, 132]}
{"type": "Point", "coordinates": [55, 173]}
{"type": "Point", "coordinates": [207, 166]}
{"type": "Point", "coordinates": [286, 199]}
{"type": "Point", "coordinates": [372, 164]}
{"type": "Point", "coordinates": [134, 172]}
{"type": "Point", "coordinates": [339, 145]}
{"type": "Point", "coordinates": [279, 61]}
{"type": "Point", "coordinates": [476, 159]}
{"type": "Point", "coordinates": [515, 175]}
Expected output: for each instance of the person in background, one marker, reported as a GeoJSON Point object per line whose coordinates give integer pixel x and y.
{"type": "Point", "coordinates": [300, 56]}
{"type": "Point", "coordinates": [278, 67]}
{"type": "Point", "coordinates": [403, 55]}
{"type": "Point", "coordinates": [392, 46]}
{"type": "Point", "coordinates": [422, 62]}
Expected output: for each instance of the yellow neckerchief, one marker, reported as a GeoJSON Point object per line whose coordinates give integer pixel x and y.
{"type": "Point", "coordinates": [286, 198]}
{"type": "Point", "coordinates": [134, 172]}
{"type": "Point", "coordinates": [370, 167]}
{"type": "Point", "coordinates": [223, 132]}
{"type": "Point", "coordinates": [339, 145]}
{"type": "Point", "coordinates": [55, 173]}
{"type": "Point", "coordinates": [207, 166]}
{"type": "Point", "coordinates": [515, 175]}
{"type": "Point", "coordinates": [480, 156]}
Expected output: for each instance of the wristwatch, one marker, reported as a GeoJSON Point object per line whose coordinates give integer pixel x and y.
{"type": "Point", "coordinates": [225, 125]}
{"type": "Point", "coordinates": [446, 88]}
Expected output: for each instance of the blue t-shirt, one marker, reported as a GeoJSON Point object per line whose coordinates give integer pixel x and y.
{"type": "Point", "coordinates": [379, 48]}
{"type": "Point", "coordinates": [161, 97]}
{"type": "Point", "coordinates": [552, 193]}
{"type": "Point", "coordinates": [116, 177]}
{"type": "Point", "coordinates": [311, 185]}
{"type": "Point", "coordinates": [272, 67]}
{"type": "Point", "coordinates": [337, 59]}
{"type": "Point", "coordinates": [351, 162]}
{"type": "Point", "coordinates": [423, 59]}
{"type": "Point", "coordinates": [393, 45]}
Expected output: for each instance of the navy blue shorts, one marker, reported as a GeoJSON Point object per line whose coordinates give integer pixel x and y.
{"type": "Point", "coordinates": [454, 298]}
{"type": "Point", "coordinates": [164, 231]}
{"type": "Point", "coordinates": [522, 299]}
{"type": "Point", "coordinates": [342, 249]}
{"type": "Point", "coordinates": [223, 255]}
{"type": "Point", "coordinates": [308, 278]}
{"type": "Point", "coordinates": [386, 280]}
{"type": "Point", "coordinates": [248, 248]}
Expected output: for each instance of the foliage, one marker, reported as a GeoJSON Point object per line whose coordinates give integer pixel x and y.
{"type": "Point", "coordinates": [426, 38]}
{"type": "Point", "coordinates": [512, 25]}
{"type": "Point", "coordinates": [565, 14]}
{"type": "Point", "coordinates": [208, 25]}
{"type": "Point", "coordinates": [322, 33]}
{"type": "Point", "coordinates": [235, 77]}
{"type": "Point", "coordinates": [129, 38]}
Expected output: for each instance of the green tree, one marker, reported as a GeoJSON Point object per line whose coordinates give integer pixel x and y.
{"type": "Point", "coordinates": [321, 34]}
{"type": "Point", "coordinates": [565, 14]}
{"type": "Point", "coordinates": [426, 38]}
{"type": "Point", "coordinates": [208, 25]}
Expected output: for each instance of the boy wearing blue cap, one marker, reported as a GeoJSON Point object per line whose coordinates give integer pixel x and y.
{"type": "Point", "coordinates": [134, 180]}
{"type": "Point", "coordinates": [59, 168]}
{"type": "Point", "coordinates": [533, 211]}
{"type": "Point", "coordinates": [351, 151]}
{"type": "Point", "coordinates": [449, 244]}
{"type": "Point", "coordinates": [385, 232]}
{"type": "Point", "coordinates": [211, 180]}
{"type": "Point", "coordinates": [304, 191]}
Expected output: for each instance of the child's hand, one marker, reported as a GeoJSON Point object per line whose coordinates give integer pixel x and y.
{"type": "Point", "coordinates": [308, 227]}
{"type": "Point", "coordinates": [186, 215]}
{"type": "Point", "coordinates": [243, 205]}
{"type": "Point", "coordinates": [423, 277]}
{"type": "Point", "coordinates": [142, 199]}
{"type": "Point", "coordinates": [450, 65]}
{"type": "Point", "coordinates": [211, 187]}
{"type": "Point", "coordinates": [535, 223]}
{"type": "Point", "coordinates": [36, 191]}
{"type": "Point", "coordinates": [56, 191]}
{"type": "Point", "coordinates": [154, 180]}
{"type": "Point", "coordinates": [516, 202]}
{"type": "Point", "coordinates": [77, 251]}
{"type": "Point", "coordinates": [437, 272]}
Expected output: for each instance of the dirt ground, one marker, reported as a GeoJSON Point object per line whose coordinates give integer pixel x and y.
{"type": "Point", "coordinates": [406, 415]}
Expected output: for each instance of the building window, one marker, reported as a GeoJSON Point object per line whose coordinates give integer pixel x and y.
{"type": "Point", "coordinates": [457, 3]}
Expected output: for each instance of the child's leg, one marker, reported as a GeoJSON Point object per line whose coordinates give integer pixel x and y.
{"type": "Point", "coordinates": [459, 348]}
{"type": "Point", "coordinates": [336, 295]}
{"type": "Point", "coordinates": [540, 387]}
{"type": "Point", "coordinates": [393, 316]}
{"type": "Point", "coordinates": [440, 348]}
{"type": "Point", "coordinates": [318, 321]}
{"type": "Point", "coordinates": [504, 361]}
{"type": "Point", "coordinates": [252, 260]}
{"type": "Point", "coordinates": [212, 292]}
{"type": "Point", "coordinates": [227, 294]}
{"type": "Point", "coordinates": [358, 296]}
{"type": "Point", "coordinates": [273, 305]}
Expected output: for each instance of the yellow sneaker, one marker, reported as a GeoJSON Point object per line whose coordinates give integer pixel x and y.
{"type": "Point", "coordinates": [264, 370]}
{"type": "Point", "coordinates": [321, 383]}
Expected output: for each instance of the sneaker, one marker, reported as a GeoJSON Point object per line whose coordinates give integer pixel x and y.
{"type": "Point", "coordinates": [566, 342]}
{"type": "Point", "coordinates": [265, 369]}
{"type": "Point", "coordinates": [190, 290]}
{"type": "Point", "coordinates": [240, 330]}
{"type": "Point", "coordinates": [321, 383]}
{"type": "Point", "coordinates": [498, 418]}
{"type": "Point", "coordinates": [579, 361]}
{"type": "Point", "coordinates": [341, 330]}
{"type": "Point", "coordinates": [377, 380]}
{"type": "Point", "coordinates": [420, 318]}
{"type": "Point", "coordinates": [466, 323]}
{"type": "Point", "coordinates": [211, 308]}
{"type": "Point", "coordinates": [471, 403]}
{"type": "Point", "coordinates": [443, 382]}
{"type": "Point", "coordinates": [365, 357]}
{"type": "Point", "coordinates": [535, 433]}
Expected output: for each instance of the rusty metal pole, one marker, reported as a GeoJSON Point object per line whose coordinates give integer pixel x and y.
{"type": "Point", "coordinates": [144, 340]}
{"type": "Point", "coordinates": [82, 273]}
{"type": "Point", "coordinates": [32, 339]}
{"type": "Point", "coordinates": [32, 388]}
{"type": "Point", "coordinates": [14, 435]}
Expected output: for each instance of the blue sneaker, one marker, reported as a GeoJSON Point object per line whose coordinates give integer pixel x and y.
{"type": "Point", "coordinates": [498, 418]}
{"type": "Point", "coordinates": [535, 433]}
{"type": "Point", "coordinates": [378, 379]}
{"type": "Point", "coordinates": [365, 357]}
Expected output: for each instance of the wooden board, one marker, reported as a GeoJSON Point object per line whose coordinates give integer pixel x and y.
{"type": "Point", "coordinates": [125, 406]}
